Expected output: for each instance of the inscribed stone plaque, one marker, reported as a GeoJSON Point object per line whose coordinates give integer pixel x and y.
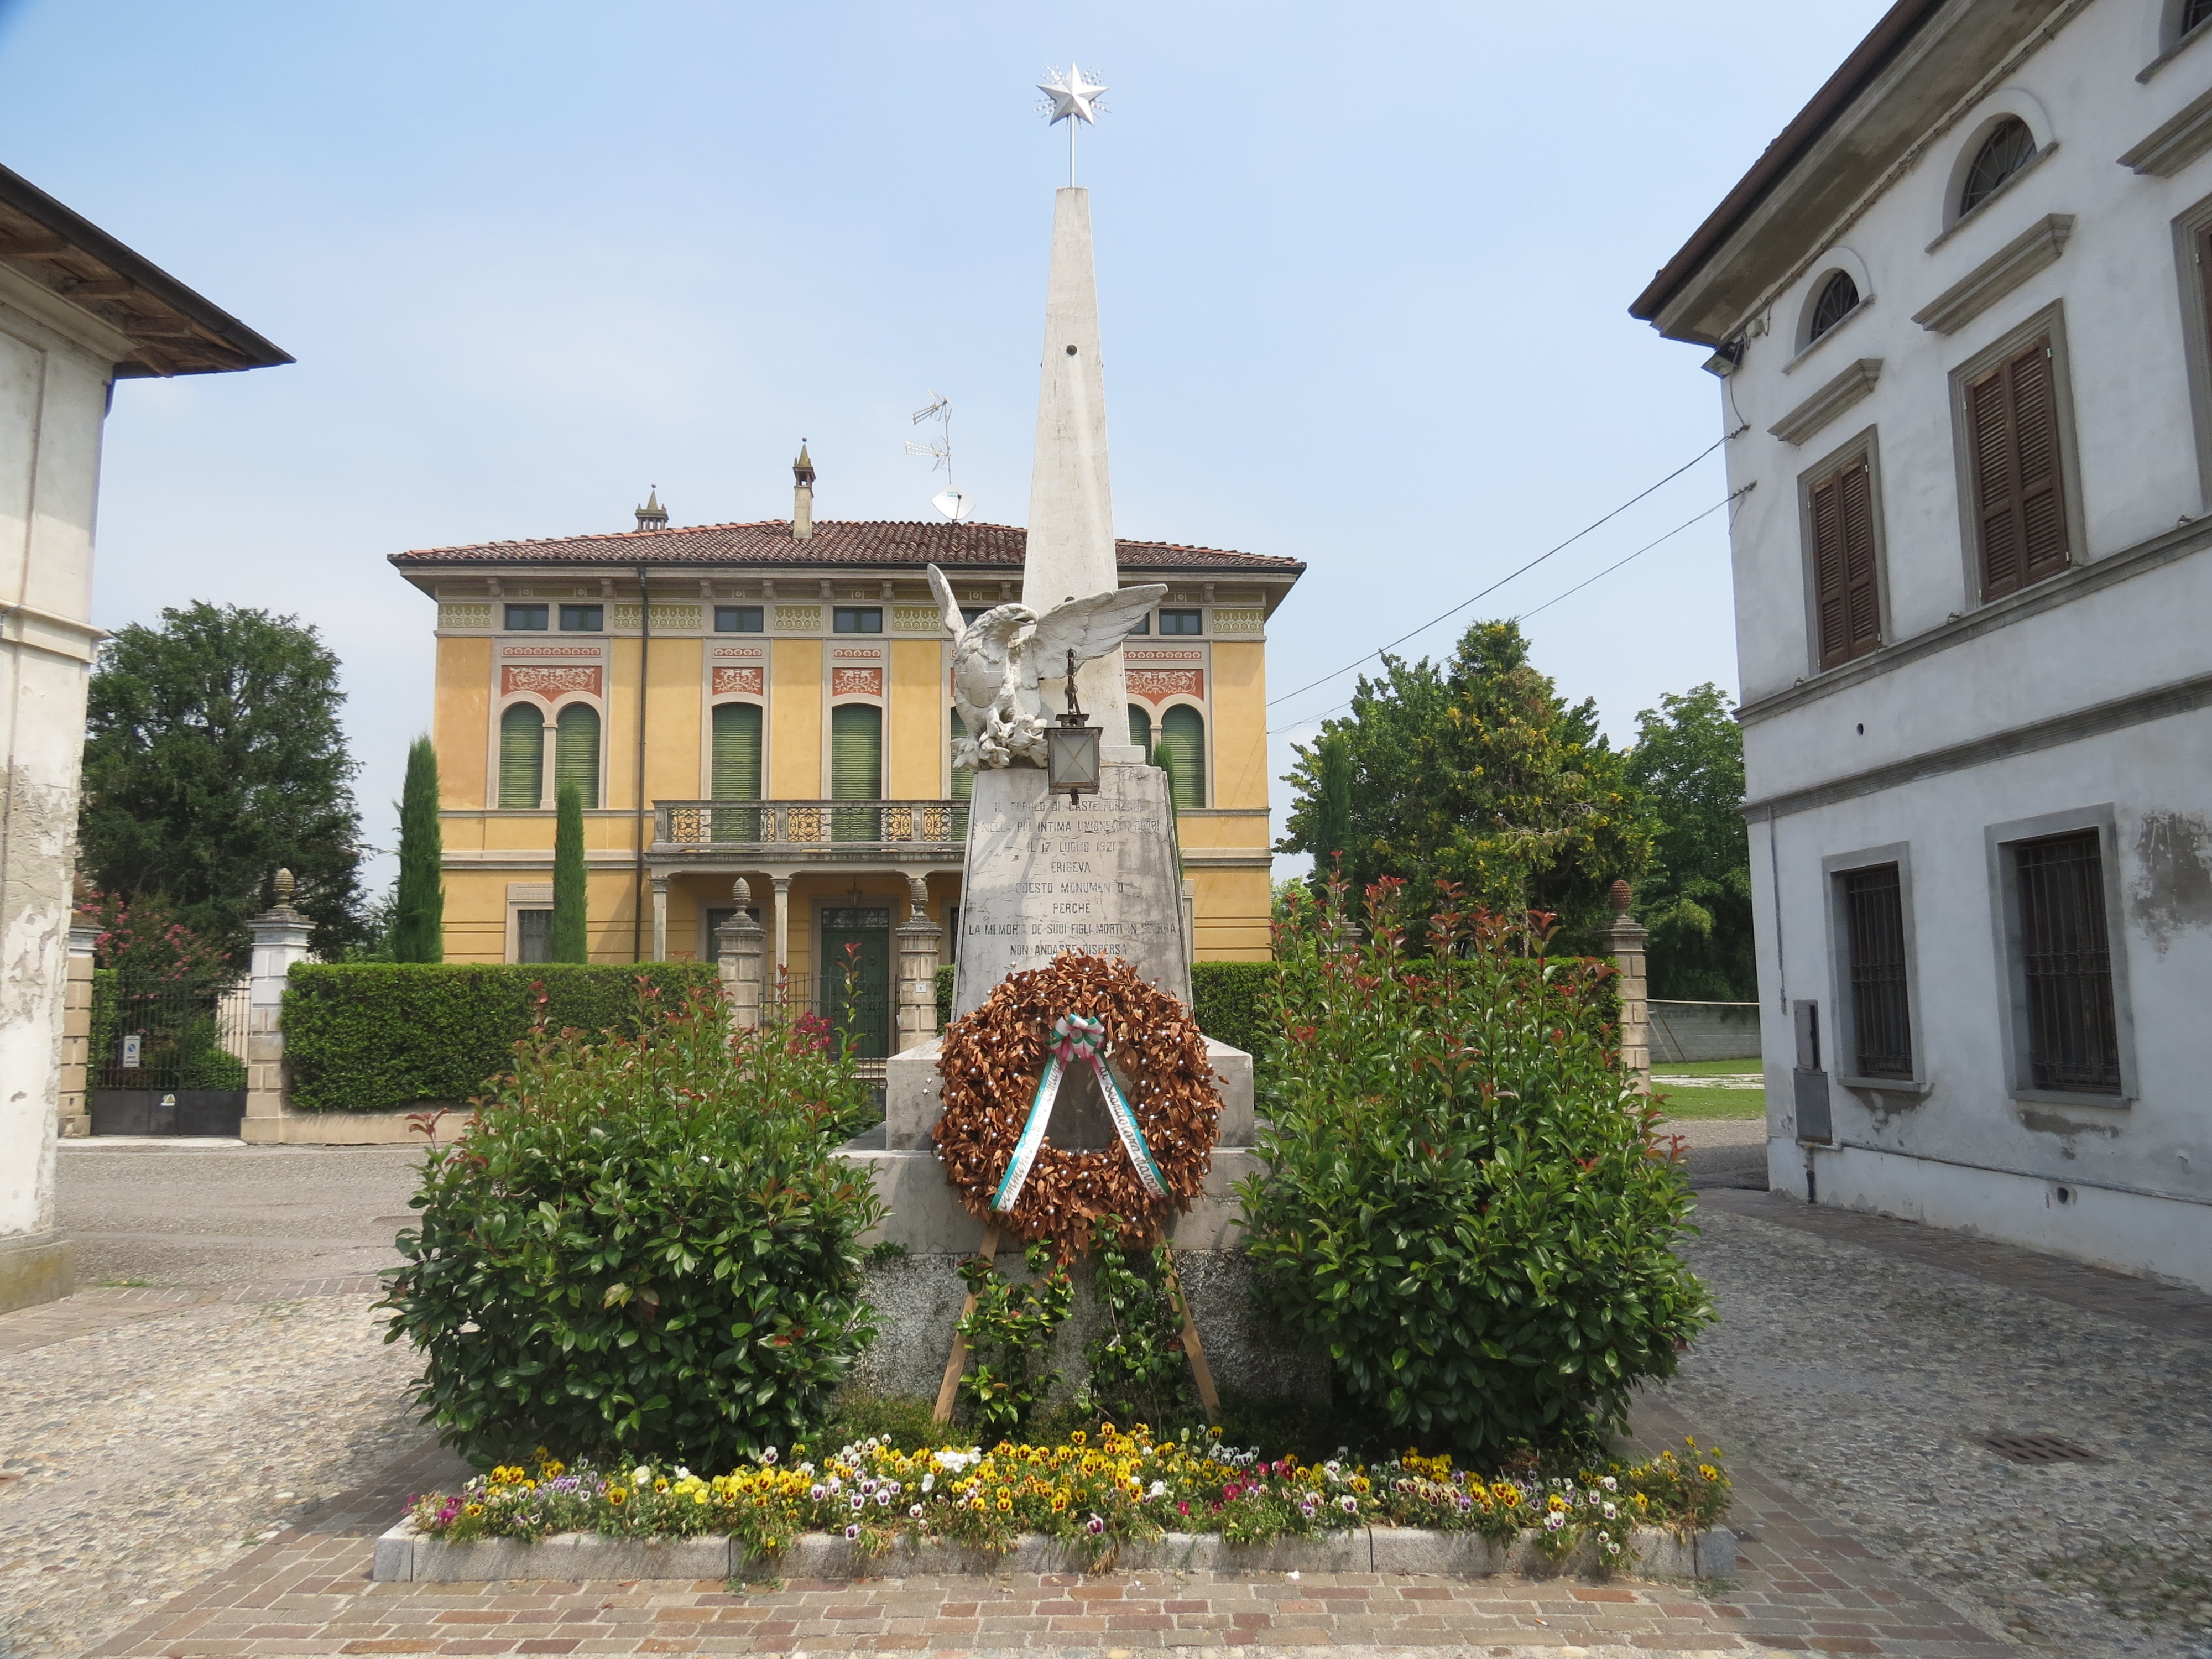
{"type": "Point", "coordinates": [1044, 877]}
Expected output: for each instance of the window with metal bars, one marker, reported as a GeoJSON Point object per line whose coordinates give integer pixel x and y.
{"type": "Point", "coordinates": [2065, 963]}
{"type": "Point", "coordinates": [1881, 1007]}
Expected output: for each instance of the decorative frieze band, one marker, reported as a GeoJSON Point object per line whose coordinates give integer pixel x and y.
{"type": "Point", "coordinates": [464, 615]}
{"type": "Point", "coordinates": [1158, 685]}
{"type": "Point", "coordinates": [799, 618]}
{"type": "Point", "coordinates": [536, 653]}
{"type": "Point", "coordinates": [856, 682]}
{"type": "Point", "coordinates": [549, 681]}
{"type": "Point", "coordinates": [1237, 620]}
{"type": "Point", "coordinates": [917, 619]}
{"type": "Point", "coordinates": [739, 679]}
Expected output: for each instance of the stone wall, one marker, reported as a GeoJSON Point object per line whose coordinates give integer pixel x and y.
{"type": "Point", "coordinates": [1685, 1031]}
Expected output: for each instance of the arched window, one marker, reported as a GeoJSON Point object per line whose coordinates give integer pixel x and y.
{"type": "Point", "coordinates": [1839, 297]}
{"type": "Point", "coordinates": [737, 754]}
{"type": "Point", "coordinates": [2194, 14]}
{"type": "Point", "coordinates": [2009, 147]}
{"type": "Point", "coordinates": [522, 757]}
{"type": "Point", "coordinates": [1140, 729]}
{"type": "Point", "coordinates": [736, 775]}
{"type": "Point", "coordinates": [856, 768]}
{"type": "Point", "coordinates": [576, 751]}
{"type": "Point", "coordinates": [1182, 733]}
{"type": "Point", "coordinates": [963, 781]}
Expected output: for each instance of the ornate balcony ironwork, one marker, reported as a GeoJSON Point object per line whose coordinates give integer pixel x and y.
{"type": "Point", "coordinates": [807, 829]}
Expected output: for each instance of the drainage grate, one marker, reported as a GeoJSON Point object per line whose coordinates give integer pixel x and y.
{"type": "Point", "coordinates": [2037, 1449]}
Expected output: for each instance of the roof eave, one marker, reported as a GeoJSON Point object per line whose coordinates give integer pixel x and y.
{"type": "Point", "coordinates": [86, 241]}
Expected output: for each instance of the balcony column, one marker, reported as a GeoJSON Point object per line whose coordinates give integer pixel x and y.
{"type": "Point", "coordinates": [741, 940]}
{"type": "Point", "coordinates": [783, 928]}
{"type": "Point", "coordinates": [660, 918]}
{"type": "Point", "coordinates": [918, 939]}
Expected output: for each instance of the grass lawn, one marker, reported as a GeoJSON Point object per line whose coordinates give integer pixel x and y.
{"type": "Point", "coordinates": [1710, 1103]}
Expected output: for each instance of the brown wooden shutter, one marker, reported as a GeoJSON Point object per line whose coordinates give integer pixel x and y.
{"type": "Point", "coordinates": [1847, 597]}
{"type": "Point", "coordinates": [2019, 497]}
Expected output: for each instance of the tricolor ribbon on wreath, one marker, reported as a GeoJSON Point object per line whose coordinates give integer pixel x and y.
{"type": "Point", "coordinates": [1076, 1038]}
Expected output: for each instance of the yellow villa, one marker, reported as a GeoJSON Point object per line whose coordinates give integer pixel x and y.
{"type": "Point", "coordinates": [771, 701]}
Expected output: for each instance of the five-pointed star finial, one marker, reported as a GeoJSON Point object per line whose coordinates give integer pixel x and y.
{"type": "Point", "coordinates": [1072, 97]}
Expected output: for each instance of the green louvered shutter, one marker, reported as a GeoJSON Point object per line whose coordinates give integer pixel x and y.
{"type": "Point", "coordinates": [737, 752]}
{"type": "Point", "coordinates": [1140, 729]}
{"type": "Point", "coordinates": [576, 751]}
{"type": "Point", "coordinates": [963, 781]}
{"type": "Point", "coordinates": [856, 752]}
{"type": "Point", "coordinates": [856, 768]}
{"type": "Point", "coordinates": [522, 757]}
{"type": "Point", "coordinates": [1183, 728]}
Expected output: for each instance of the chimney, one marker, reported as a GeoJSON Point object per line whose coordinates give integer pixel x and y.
{"type": "Point", "coordinates": [802, 496]}
{"type": "Point", "coordinates": [653, 515]}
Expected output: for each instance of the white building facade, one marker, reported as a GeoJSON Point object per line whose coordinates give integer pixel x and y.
{"type": "Point", "coordinates": [1962, 310]}
{"type": "Point", "coordinates": [77, 312]}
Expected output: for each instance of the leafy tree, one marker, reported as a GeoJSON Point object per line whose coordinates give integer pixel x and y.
{"type": "Point", "coordinates": [1696, 896]}
{"type": "Point", "coordinates": [569, 943]}
{"type": "Point", "coordinates": [1332, 814]}
{"type": "Point", "coordinates": [213, 757]}
{"type": "Point", "coordinates": [418, 905]}
{"type": "Point", "coordinates": [1475, 772]}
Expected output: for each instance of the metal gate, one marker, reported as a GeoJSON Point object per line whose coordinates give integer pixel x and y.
{"type": "Point", "coordinates": [166, 1057]}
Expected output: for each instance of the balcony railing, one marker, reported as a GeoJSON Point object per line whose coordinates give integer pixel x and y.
{"type": "Point", "coordinates": [827, 828]}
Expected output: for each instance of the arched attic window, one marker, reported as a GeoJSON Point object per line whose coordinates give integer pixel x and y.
{"type": "Point", "coordinates": [1839, 297]}
{"type": "Point", "coordinates": [2009, 147]}
{"type": "Point", "coordinates": [2194, 13]}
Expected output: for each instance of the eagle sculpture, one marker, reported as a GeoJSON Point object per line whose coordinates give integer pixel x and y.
{"type": "Point", "coordinates": [997, 660]}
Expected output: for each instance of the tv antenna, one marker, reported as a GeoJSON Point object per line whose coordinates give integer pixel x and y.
{"type": "Point", "coordinates": [949, 501]}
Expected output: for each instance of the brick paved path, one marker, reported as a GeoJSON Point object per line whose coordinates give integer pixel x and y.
{"type": "Point", "coordinates": [1800, 1587]}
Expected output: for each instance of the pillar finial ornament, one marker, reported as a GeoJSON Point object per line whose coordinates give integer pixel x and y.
{"type": "Point", "coordinates": [283, 885]}
{"type": "Point", "coordinates": [741, 892]}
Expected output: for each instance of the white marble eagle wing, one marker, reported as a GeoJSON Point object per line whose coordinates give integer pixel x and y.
{"type": "Point", "coordinates": [955, 624]}
{"type": "Point", "coordinates": [1090, 628]}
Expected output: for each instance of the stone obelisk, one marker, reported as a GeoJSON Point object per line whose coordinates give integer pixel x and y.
{"type": "Point", "coordinates": [1070, 553]}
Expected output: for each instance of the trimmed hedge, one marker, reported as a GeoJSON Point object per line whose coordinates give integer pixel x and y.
{"type": "Point", "coordinates": [1233, 1001]}
{"type": "Point", "coordinates": [374, 1035]}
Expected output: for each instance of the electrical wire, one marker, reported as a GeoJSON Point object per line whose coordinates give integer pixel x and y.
{"type": "Point", "coordinates": [1724, 501]}
{"type": "Point", "coordinates": [1510, 574]}
{"type": "Point", "coordinates": [1638, 554]}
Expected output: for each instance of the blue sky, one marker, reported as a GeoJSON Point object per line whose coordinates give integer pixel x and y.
{"type": "Point", "coordinates": [1363, 278]}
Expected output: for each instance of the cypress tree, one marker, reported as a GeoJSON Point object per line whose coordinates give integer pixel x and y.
{"type": "Point", "coordinates": [568, 942]}
{"type": "Point", "coordinates": [418, 908]}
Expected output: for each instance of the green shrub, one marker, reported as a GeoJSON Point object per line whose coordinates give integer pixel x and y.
{"type": "Point", "coordinates": [1463, 1201]}
{"type": "Point", "coordinates": [365, 1037]}
{"type": "Point", "coordinates": [1234, 1002]}
{"type": "Point", "coordinates": [643, 1246]}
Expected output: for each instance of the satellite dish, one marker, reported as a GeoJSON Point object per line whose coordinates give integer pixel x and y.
{"type": "Point", "coordinates": [953, 504]}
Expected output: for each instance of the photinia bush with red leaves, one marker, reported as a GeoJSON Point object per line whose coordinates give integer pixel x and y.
{"type": "Point", "coordinates": [1465, 1201]}
{"type": "Point", "coordinates": [643, 1246]}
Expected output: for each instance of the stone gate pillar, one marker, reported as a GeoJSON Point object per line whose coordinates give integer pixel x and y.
{"type": "Point", "coordinates": [76, 1114]}
{"type": "Point", "coordinates": [741, 942]}
{"type": "Point", "coordinates": [918, 939]}
{"type": "Point", "coordinates": [1624, 942]}
{"type": "Point", "coordinates": [280, 939]}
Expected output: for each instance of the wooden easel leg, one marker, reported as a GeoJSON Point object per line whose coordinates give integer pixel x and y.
{"type": "Point", "coordinates": [949, 1390]}
{"type": "Point", "coordinates": [1200, 1372]}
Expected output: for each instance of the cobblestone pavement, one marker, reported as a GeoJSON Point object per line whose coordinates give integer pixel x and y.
{"type": "Point", "coordinates": [214, 1213]}
{"type": "Point", "coordinates": [1855, 1371]}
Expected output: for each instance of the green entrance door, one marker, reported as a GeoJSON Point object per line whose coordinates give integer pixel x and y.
{"type": "Point", "coordinates": [860, 938]}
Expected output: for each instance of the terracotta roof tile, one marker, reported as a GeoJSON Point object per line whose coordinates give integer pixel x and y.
{"type": "Point", "coordinates": [769, 543]}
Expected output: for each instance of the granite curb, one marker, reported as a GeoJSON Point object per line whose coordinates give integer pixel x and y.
{"type": "Point", "coordinates": [404, 1556]}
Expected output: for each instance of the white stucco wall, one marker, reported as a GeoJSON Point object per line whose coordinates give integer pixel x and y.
{"type": "Point", "coordinates": [53, 398]}
{"type": "Point", "coordinates": [1967, 1151]}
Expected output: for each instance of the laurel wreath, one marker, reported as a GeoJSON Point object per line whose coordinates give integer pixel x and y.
{"type": "Point", "coordinates": [990, 1062]}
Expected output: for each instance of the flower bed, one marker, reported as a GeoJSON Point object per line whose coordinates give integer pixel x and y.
{"type": "Point", "coordinates": [1125, 1488]}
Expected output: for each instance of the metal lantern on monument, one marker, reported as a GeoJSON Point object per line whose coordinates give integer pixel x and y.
{"type": "Point", "coordinates": [1071, 749]}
